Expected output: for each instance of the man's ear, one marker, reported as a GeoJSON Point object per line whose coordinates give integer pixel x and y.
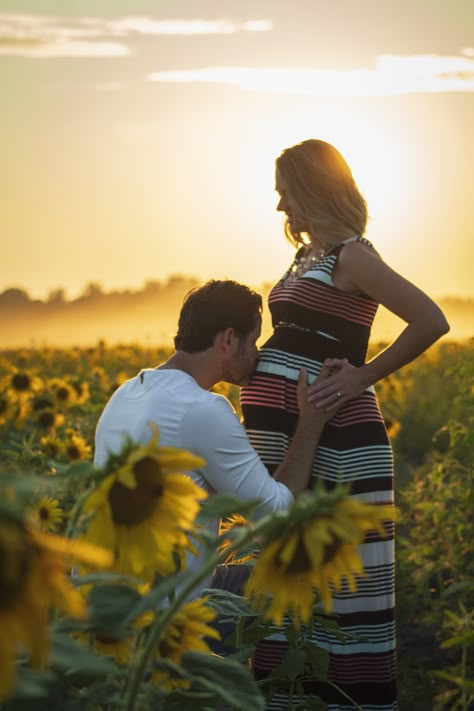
{"type": "Point", "coordinates": [225, 340]}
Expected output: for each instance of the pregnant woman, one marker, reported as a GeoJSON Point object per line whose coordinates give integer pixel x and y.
{"type": "Point", "coordinates": [322, 311]}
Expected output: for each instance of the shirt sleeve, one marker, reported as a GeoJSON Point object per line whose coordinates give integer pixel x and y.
{"type": "Point", "coordinates": [213, 431]}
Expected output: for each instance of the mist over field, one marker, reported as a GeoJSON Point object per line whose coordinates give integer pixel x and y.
{"type": "Point", "coordinates": [149, 316]}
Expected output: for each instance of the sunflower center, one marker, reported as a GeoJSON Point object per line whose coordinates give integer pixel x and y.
{"type": "Point", "coordinates": [42, 403]}
{"type": "Point", "coordinates": [165, 648]}
{"type": "Point", "coordinates": [15, 554]}
{"type": "Point", "coordinates": [300, 563]}
{"type": "Point", "coordinates": [3, 405]}
{"type": "Point", "coordinates": [21, 382]}
{"type": "Point", "coordinates": [73, 451]}
{"type": "Point", "coordinates": [46, 419]}
{"type": "Point", "coordinates": [62, 393]}
{"type": "Point", "coordinates": [131, 507]}
{"type": "Point", "coordinates": [105, 638]}
{"type": "Point", "coordinates": [52, 447]}
{"type": "Point", "coordinates": [330, 551]}
{"type": "Point", "coordinates": [44, 513]}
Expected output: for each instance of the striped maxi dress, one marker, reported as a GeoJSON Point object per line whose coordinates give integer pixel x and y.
{"type": "Point", "coordinates": [313, 320]}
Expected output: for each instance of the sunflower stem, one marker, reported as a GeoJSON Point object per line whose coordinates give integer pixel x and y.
{"type": "Point", "coordinates": [464, 698]}
{"type": "Point", "coordinates": [77, 510]}
{"type": "Point", "coordinates": [159, 625]}
{"type": "Point", "coordinates": [291, 692]}
{"type": "Point", "coordinates": [335, 686]}
{"type": "Point", "coordinates": [239, 628]}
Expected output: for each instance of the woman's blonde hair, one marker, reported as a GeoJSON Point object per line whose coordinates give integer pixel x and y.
{"type": "Point", "coordinates": [322, 193]}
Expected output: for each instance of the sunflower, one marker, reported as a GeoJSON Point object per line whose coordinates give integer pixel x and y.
{"type": "Point", "coordinates": [180, 552]}
{"type": "Point", "coordinates": [47, 514]}
{"type": "Point", "coordinates": [48, 419]}
{"type": "Point", "coordinates": [8, 408]}
{"type": "Point", "coordinates": [121, 649]}
{"type": "Point", "coordinates": [76, 447]}
{"type": "Point", "coordinates": [143, 508]}
{"type": "Point", "coordinates": [392, 426]}
{"type": "Point", "coordinates": [42, 401]}
{"type": "Point", "coordinates": [33, 579]}
{"type": "Point", "coordinates": [226, 525]}
{"type": "Point", "coordinates": [184, 633]}
{"type": "Point", "coordinates": [63, 393]}
{"type": "Point", "coordinates": [318, 552]}
{"type": "Point", "coordinates": [99, 380]}
{"type": "Point", "coordinates": [22, 382]}
{"type": "Point", "coordinates": [82, 391]}
{"type": "Point", "coordinates": [108, 646]}
{"type": "Point", "coordinates": [52, 446]}
{"type": "Point", "coordinates": [120, 378]}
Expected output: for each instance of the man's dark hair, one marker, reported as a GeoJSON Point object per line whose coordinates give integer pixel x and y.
{"type": "Point", "coordinates": [210, 309]}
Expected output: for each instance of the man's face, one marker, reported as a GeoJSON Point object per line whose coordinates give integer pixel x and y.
{"type": "Point", "coordinates": [241, 363]}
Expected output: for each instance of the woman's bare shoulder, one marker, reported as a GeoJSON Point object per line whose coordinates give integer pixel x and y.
{"type": "Point", "coordinates": [360, 252]}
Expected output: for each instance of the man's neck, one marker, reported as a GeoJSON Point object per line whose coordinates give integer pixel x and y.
{"type": "Point", "coordinates": [199, 366]}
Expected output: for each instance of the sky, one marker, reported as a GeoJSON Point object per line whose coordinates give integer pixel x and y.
{"type": "Point", "coordinates": [138, 137]}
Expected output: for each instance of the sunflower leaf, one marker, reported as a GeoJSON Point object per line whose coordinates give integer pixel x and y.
{"type": "Point", "coordinates": [99, 694]}
{"type": "Point", "coordinates": [161, 590]}
{"type": "Point", "coordinates": [230, 681]}
{"type": "Point", "coordinates": [77, 470]}
{"type": "Point", "coordinates": [465, 638]}
{"type": "Point", "coordinates": [331, 625]}
{"type": "Point", "coordinates": [23, 486]}
{"type": "Point", "coordinates": [70, 658]}
{"type": "Point", "coordinates": [30, 684]}
{"type": "Point", "coordinates": [102, 577]}
{"type": "Point", "coordinates": [293, 663]}
{"type": "Point", "coordinates": [179, 700]}
{"type": "Point", "coordinates": [225, 505]}
{"type": "Point", "coordinates": [318, 659]}
{"type": "Point", "coordinates": [460, 587]}
{"type": "Point", "coordinates": [228, 604]}
{"type": "Point", "coordinates": [252, 633]}
{"type": "Point", "coordinates": [110, 607]}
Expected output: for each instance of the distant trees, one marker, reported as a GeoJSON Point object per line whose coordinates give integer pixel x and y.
{"type": "Point", "coordinates": [153, 309]}
{"type": "Point", "coordinates": [56, 297]}
{"type": "Point", "coordinates": [92, 290]}
{"type": "Point", "coordinates": [14, 297]}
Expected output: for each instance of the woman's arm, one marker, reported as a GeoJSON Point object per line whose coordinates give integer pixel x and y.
{"type": "Point", "coordinates": [361, 270]}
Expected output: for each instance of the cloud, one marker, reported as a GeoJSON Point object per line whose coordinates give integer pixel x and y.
{"type": "Point", "coordinates": [147, 26]}
{"type": "Point", "coordinates": [52, 50]}
{"type": "Point", "coordinates": [392, 75]}
{"type": "Point", "coordinates": [40, 36]}
{"type": "Point", "coordinates": [45, 36]}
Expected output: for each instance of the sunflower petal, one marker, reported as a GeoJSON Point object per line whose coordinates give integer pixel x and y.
{"type": "Point", "coordinates": [79, 550]}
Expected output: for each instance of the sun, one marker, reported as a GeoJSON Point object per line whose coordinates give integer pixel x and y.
{"type": "Point", "coordinates": [379, 163]}
{"type": "Point", "coordinates": [378, 151]}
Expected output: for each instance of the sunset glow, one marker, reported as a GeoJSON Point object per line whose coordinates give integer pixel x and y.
{"type": "Point", "coordinates": [141, 144]}
{"type": "Point", "coordinates": [390, 76]}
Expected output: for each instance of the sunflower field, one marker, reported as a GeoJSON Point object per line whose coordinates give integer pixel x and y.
{"type": "Point", "coordinates": [96, 605]}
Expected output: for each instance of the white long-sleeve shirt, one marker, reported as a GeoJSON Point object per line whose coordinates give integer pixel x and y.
{"type": "Point", "coordinates": [194, 419]}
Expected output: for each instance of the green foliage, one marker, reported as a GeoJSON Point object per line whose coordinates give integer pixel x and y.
{"type": "Point", "coordinates": [225, 505]}
{"type": "Point", "coordinates": [429, 408]}
{"type": "Point", "coordinates": [435, 554]}
{"type": "Point", "coordinates": [228, 681]}
{"type": "Point", "coordinates": [418, 400]}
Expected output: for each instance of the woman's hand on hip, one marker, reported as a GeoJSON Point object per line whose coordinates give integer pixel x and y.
{"type": "Point", "coordinates": [345, 383]}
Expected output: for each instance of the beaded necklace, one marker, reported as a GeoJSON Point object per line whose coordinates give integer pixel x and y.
{"type": "Point", "coordinates": [303, 263]}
